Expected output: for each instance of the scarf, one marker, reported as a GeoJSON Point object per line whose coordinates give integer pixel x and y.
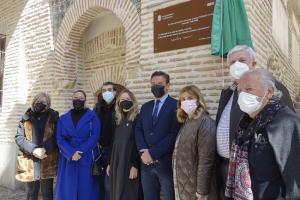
{"type": "Point", "coordinates": [238, 186]}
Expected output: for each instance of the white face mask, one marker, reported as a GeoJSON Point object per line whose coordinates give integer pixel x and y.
{"type": "Point", "coordinates": [189, 106]}
{"type": "Point", "coordinates": [237, 69]}
{"type": "Point", "coordinates": [108, 96]}
{"type": "Point", "coordinates": [249, 102]}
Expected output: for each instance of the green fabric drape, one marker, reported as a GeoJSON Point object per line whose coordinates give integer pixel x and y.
{"type": "Point", "coordinates": [233, 26]}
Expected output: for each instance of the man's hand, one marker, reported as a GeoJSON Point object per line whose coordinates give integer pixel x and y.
{"type": "Point", "coordinates": [76, 156]}
{"type": "Point", "coordinates": [146, 157]}
{"type": "Point", "coordinates": [39, 153]}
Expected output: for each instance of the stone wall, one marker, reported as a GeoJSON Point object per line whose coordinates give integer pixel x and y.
{"type": "Point", "coordinates": [58, 10]}
{"type": "Point", "coordinates": [29, 42]}
{"type": "Point", "coordinates": [137, 4]}
{"type": "Point", "coordinates": [186, 66]}
{"type": "Point", "coordinates": [269, 53]}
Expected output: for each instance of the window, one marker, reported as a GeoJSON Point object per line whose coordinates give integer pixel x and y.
{"type": "Point", "coordinates": [2, 57]}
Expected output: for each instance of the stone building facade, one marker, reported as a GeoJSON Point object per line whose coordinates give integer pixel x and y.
{"type": "Point", "coordinates": [58, 46]}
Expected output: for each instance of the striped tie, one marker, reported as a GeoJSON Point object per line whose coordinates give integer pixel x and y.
{"type": "Point", "coordinates": [155, 112]}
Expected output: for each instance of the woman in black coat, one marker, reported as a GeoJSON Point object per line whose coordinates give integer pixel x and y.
{"type": "Point", "coordinates": [124, 163]}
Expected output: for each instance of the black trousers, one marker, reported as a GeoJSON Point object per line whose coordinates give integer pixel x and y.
{"type": "Point", "coordinates": [222, 171]}
{"type": "Point", "coordinates": [104, 179]}
{"type": "Point", "coordinates": [32, 189]}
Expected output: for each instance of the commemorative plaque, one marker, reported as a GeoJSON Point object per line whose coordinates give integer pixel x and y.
{"type": "Point", "coordinates": [183, 25]}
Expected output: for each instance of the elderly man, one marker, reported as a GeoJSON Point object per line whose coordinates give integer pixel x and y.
{"type": "Point", "coordinates": [264, 161]}
{"type": "Point", "coordinates": [240, 59]}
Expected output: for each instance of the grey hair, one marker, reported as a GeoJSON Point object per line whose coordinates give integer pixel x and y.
{"type": "Point", "coordinates": [267, 80]}
{"type": "Point", "coordinates": [246, 48]}
{"type": "Point", "coordinates": [38, 96]}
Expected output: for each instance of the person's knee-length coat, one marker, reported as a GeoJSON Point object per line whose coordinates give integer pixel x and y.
{"type": "Point", "coordinates": [75, 180]}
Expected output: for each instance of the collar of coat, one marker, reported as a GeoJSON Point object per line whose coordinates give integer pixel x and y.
{"type": "Point", "coordinates": [67, 122]}
{"type": "Point", "coordinates": [53, 115]}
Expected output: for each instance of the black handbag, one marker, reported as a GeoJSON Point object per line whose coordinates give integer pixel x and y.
{"type": "Point", "coordinates": [99, 164]}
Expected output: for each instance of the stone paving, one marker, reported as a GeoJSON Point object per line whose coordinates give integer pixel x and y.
{"type": "Point", "coordinates": [7, 194]}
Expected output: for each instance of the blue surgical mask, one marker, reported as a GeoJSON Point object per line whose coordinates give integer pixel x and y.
{"type": "Point", "coordinates": [108, 96]}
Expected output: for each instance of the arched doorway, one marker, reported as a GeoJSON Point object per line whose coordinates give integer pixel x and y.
{"type": "Point", "coordinates": [104, 53]}
{"type": "Point", "coordinates": [82, 44]}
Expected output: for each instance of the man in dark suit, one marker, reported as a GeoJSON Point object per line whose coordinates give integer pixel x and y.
{"type": "Point", "coordinates": [155, 132]}
{"type": "Point", "coordinates": [240, 59]}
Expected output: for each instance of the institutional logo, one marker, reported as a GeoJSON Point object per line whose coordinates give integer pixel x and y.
{"type": "Point", "coordinates": [159, 18]}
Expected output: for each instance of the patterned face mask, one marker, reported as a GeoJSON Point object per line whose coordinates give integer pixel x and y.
{"type": "Point", "coordinates": [189, 106]}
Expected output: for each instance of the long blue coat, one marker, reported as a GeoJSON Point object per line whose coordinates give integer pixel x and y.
{"type": "Point", "coordinates": [74, 179]}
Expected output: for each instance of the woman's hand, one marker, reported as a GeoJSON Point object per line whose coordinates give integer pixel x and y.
{"type": "Point", "coordinates": [133, 173]}
{"type": "Point", "coordinates": [107, 170]}
{"type": "Point", "coordinates": [39, 153]}
{"type": "Point", "coordinates": [76, 156]}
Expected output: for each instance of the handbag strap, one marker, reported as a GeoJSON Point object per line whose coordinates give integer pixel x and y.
{"type": "Point", "coordinates": [98, 146]}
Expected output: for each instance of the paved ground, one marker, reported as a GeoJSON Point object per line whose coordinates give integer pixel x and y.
{"type": "Point", "coordinates": [6, 194]}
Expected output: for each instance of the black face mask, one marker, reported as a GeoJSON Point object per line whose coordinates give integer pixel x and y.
{"type": "Point", "coordinates": [158, 90]}
{"type": "Point", "coordinates": [39, 107]}
{"type": "Point", "coordinates": [78, 104]}
{"type": "Point", "coordinates": [126, 104]}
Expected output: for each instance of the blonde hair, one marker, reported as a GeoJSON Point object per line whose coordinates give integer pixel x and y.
{"type": "Point", "coordinates": [38, 96]}
{"type": "Point", "coordinates": [195, 92]}
{"type": "Point", "coordinates": [132, 111]}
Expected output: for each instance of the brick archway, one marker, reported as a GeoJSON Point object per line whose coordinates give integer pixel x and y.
{"type": "Point", "coordinates": [78, 17]}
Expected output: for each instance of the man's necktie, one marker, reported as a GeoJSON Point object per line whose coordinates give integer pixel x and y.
{"type": "Point", "coordinates": [155, 112]}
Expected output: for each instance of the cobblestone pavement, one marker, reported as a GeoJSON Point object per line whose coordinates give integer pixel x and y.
{"type": "Point", "coordinates": [6, 194]}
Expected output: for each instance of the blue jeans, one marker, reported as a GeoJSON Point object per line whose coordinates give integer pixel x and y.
{"type": "Point", "coordinates": [154, 181]}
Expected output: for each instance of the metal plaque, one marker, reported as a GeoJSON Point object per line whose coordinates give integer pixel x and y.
{"type": "Point", "coordinates": [183, 25]}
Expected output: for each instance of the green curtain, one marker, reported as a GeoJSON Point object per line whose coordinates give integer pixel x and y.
{"type": "Point", "coordinates": [234, 28]}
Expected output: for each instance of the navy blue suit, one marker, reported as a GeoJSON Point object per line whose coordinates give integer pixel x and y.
{"type": "Point", "coordinates": [159, 138]}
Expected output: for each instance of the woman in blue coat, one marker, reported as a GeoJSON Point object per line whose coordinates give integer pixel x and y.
{"type": "Point", "coordinates": [78, 132]}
